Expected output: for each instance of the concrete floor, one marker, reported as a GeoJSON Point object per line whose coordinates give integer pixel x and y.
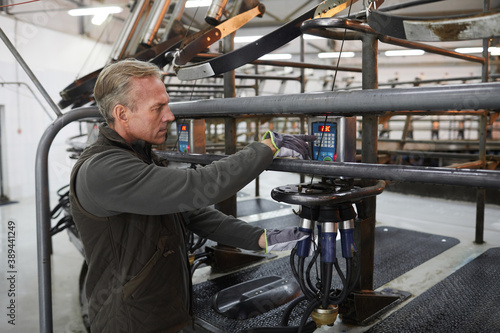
{"type": "Point", "coordinates": [437, 216]}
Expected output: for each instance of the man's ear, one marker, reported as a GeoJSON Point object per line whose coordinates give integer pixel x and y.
{"type": "Point", "coordinates": [120, 114]}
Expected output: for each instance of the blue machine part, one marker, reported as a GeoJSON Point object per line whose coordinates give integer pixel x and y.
{"type": "Point", "coordinates": [183, 134]}
{"type": "Point", "coordinates": [328, 149]}
{"type": "Point", "coordinates": [304, 246]}
{"type": "Point", "coordinates": [328, 250]}
{"type": "Point", "coordinates": [347, 242]}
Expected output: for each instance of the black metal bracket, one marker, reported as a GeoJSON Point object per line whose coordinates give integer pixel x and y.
{"type": "Point", "coordinates": [364, 307]}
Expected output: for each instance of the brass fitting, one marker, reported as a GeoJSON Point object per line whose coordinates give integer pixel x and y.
{"type": "Point", "coordinates": [325, 316]}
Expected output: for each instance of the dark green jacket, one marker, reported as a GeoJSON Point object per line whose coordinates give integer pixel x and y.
{"type": "Point", "coordinates": [132, 213]}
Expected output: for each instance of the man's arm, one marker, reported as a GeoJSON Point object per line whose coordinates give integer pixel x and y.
{"type": "Point", "coordinates": [117, 182]}
{"type": "Point", "coordinates": [228, 230]}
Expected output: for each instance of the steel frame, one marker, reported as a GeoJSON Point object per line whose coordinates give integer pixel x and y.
{"type": "Point", "coordinates": [368, 103]}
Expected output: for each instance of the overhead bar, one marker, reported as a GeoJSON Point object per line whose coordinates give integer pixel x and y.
{"type": "Point", "coordinates": [403, 173]}
{"type": "Point", "coordinates": [474, 96]}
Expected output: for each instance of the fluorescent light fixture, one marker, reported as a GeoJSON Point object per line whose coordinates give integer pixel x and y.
{"type": "Point", "coordinates": [403, 53]}
{"type": "Point", "coordinates": [98, 19]}
{"type": "Point", "coordinates": [309, 37]}
{"type": "Point", "coordinates": [95, 11]}
{"type": "Point", "coordinates": [246, 39]}
{"type": "Point", "coordinates": [327, 55]}
{"type": "Point", "coordinates": [249, 39]}
{"type": "Point", "coordinates": [197, 3]}
{"type": "Point", "coordinates": [276, 56]}
{"type": "Point", "coordinates": [100, 13]}
{"type": "Point", "coordinates": [469, 50]}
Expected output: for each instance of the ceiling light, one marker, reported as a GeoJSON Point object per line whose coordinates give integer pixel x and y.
{"type": "Point", "coordinates": [469, 50]}
{"type": "Point", "coordinates": [309, 37]}
{"type": "Point", "coordinates": [402, 53]}
{"type": "Point", "coordinates": [250, 39]}
{"type": "Point", "coordinates": [100, 13]}
{"type": "Point", "coordinates": [95, 11]}
{"type": "Point", "coordinates": [276, 56]}
{"type": "Point", "coordinates": [197, 3]}
{"type": "Point", "coordinates": [326, 55]}
{"type": "Point", "coordinates": [246, 39]}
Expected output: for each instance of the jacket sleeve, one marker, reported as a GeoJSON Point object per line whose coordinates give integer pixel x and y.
{"type": "Point", "coordinates": [115, 182]}
{"type": "Point", "coordinates": [228, 230]}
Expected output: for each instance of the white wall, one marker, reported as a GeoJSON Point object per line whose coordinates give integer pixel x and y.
{"type": "Point", "coordinates": [56, 59]}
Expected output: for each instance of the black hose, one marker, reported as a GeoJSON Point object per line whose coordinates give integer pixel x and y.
{"type": "Point", "coordinates": [326, 277]}
{"type": "Point", "coordinates": [302, 283]}
{"type": "Point", "coordinates": [337, 299]}
{"type": "Point", "coordinates": [358, 274]}
{"type": "Point", "coordinates": [308, 272]}
{"type": "Point", "coordinates": [197, 264]}
{"type": "Point", "coordinates": [290, 308]}
{"type": "Point", "coordinates": [292, 265]}
{"type": "Point", "coordinates": [310, 308]}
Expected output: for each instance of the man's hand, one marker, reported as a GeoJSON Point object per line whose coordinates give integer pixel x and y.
{"type": "Point", "coordinates": [281, 240]}
{"type": "Point", "coordinates": [288, 145]}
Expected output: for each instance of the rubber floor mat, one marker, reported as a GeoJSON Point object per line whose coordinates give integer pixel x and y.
{"type": "Point", "coordinates": [466, 301]}
{"type": "Point", "coordinates": [396, 252]}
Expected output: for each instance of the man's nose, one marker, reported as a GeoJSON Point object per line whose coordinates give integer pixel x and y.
{"type": "Point", "coordinates": [168, 116]}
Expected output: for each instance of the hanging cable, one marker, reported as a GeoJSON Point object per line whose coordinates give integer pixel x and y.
{"type": "Point", "coordinates": [333, 87]}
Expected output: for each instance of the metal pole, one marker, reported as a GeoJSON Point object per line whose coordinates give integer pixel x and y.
{"type": "Point", "coordinates": [30, 74]}
{"type": "Point", "coordinates": [34, 95]}
{"type": "Point", "coordinates": [481, 192]}
{"type": "Point", "coordinates": [366, 228]}
{"type": "Point", "coordinates": [343, 103]}
{"type": "Point", "coordinates": [302, 90]}
{"type": "Point", "coordinates": [43, 212]}
{"type": "Point", "coordinates": [229, 206]}
{"type": "Point", "coordinates": [398, 173]}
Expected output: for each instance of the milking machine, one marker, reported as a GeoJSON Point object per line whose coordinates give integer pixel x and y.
{"type": "Point", "coordinates": [326, 211]}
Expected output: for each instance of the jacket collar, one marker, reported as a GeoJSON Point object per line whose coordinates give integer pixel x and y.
{"type": "Point", "coordinates": [141, 148]}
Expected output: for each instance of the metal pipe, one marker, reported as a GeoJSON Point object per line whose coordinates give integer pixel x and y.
{"type": "Point", "coordinates": [252, 76]}
{"type": "Point", "coordinates": [43, 211]}
{"type": "Point", "coordinates": [369, 146]}
{"type": "Point", "coordinates": [280, 63]}
{"type": "Point", "coordinates": [391, 172]}
{"type": "Point", "coordinates": [348, 103]}
{"type": "Point", "coordinates": [30, 74]}
{"type": "Point", "coordinates": [437, 154]}
{"type": "Point", "coordinates": [319, 27]}
{"type": "Point", "coordinates": [33, 93]}
{"type": "Point", "coordinates": [481, 192]}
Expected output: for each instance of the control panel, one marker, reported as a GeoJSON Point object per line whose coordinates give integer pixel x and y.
{"type": "Point", "coordinates": [191, 136]}
{"type": "Point", "coordinates": [324, 148]}
{"type": "Point", "coordinates": [183, 137]}
{"type": "Point", "coordinates": [335, 138]}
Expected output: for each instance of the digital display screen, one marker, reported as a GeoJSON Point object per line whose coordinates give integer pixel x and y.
{"type": "Point", "coordinates": [183, 128]}
{"type": "Point", "coordinates": [326, 128]}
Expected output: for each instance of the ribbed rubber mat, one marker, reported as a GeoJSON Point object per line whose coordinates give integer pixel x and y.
{"type": "Point", "coordinates": [466, 301]}
{"type": "Point", "coordinates": [258, 205]}
{"type": "Point", "coordinates": [396, 252]}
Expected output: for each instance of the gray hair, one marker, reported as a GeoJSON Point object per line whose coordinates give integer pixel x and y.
{"type": "Point", "coordinates": [113, 84]}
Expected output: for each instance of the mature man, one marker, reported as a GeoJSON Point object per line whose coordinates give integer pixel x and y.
{"type": "Point", "coordinates": [132, 212]}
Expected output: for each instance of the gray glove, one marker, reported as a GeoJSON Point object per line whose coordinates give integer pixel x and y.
{"type": "Point", "coordinates": [288, 145]}
{"type": "Point", "coordinates": [283, 240]}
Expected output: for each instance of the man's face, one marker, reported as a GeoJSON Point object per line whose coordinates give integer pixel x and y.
{"type": "Point", "coordinates": [149, 120]}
